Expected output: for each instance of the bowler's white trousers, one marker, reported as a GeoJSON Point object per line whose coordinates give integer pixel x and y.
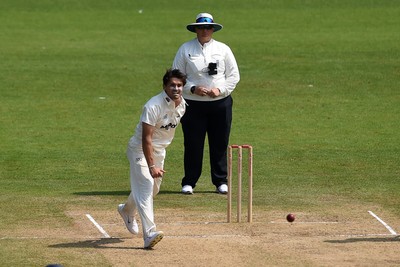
{"type": "Point", "coordinates": [143, 188]}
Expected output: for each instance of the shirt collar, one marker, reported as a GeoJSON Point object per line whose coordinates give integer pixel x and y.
{"type": "Point", "coordinates": [205, 44]}
{"type": "Point", "coordinates": [170, 102]}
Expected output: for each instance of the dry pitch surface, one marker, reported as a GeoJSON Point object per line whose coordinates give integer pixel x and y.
{"type": "Point", "coordinates": [352, 238]}
{"type": "Point", "coordinates": [349, 236]}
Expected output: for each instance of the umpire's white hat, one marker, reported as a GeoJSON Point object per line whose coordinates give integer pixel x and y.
{"type": "Point", "coordinates": [204, 19]}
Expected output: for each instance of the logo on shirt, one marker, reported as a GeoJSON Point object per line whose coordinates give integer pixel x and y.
{"type": "Point", "coordinates": [168, 126]}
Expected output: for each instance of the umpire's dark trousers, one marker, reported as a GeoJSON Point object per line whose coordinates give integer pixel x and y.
{"type": "Point", "coordinates": [213, 118]}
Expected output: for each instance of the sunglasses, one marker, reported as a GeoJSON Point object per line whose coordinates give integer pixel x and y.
{"type": "Point", "coordinates": [205, 27]}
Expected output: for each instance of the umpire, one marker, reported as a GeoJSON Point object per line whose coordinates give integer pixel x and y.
{"type": "Point", "coordinates": [212, 75]}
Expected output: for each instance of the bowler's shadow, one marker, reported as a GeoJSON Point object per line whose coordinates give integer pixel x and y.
{"type": "Point", "coordinates": [103, 193]}
{"type": "Point", "coordinates": [365, 239]}
{"type": "Point", "coordinates": [169, 192]}
{"type": "Point", "coordinates": [126, 193]}
{"type": "Point", "coordinates": [102, 243]}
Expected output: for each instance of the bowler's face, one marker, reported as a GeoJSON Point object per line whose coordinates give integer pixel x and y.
{"type": "Point", "coordinates": [174, 88]}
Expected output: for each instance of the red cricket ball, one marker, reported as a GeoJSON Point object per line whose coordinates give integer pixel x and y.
{"type": "Point", "coordinates": [290, 217]}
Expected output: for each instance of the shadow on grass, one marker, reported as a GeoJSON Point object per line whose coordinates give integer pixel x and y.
{"type": "Point", "coordinates": [365, 239]}
{"type": "Point", "coordinates": [126, 193]}
{"type": "Point", "coordinates": [102, 243]}
{"type": "Point", "coordinates": [103, 193]}
{"type": "Point", "coordinates": [180, 193]}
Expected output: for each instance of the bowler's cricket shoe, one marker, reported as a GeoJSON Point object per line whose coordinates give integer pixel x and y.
{"type": "Point", "coordinates": [153, 239]}
{"type": "Point", "coordinates": [130, 221]}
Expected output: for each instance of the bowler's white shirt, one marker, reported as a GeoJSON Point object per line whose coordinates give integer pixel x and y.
{"type": "Point", "coordinates": [161, 113]}
{"type": "Point", "coordinates": [192, 59]}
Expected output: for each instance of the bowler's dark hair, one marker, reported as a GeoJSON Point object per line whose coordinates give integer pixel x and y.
{"type": "Point", "coordinates": [174, 73]}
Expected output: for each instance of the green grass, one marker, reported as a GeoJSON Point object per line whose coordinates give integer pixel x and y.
{"type": "Point", "coordinates": [318, 100]}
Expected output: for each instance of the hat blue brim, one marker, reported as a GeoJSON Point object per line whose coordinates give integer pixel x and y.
{"type": "Point", "coordinates": [192, 27]}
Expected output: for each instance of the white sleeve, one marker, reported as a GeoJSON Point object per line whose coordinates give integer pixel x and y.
{"type": "Point", "coordinates": [179, 60]}
{"type": "Point", "coordinates": [180, 63]}
{"type": "Point", "coordinates": [232, 76]}
{"type": "Point", "coordinates": [148, 116]}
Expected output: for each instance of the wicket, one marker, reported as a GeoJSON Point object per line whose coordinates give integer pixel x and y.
{"type": "Point", "coordinates": [239, 174]}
